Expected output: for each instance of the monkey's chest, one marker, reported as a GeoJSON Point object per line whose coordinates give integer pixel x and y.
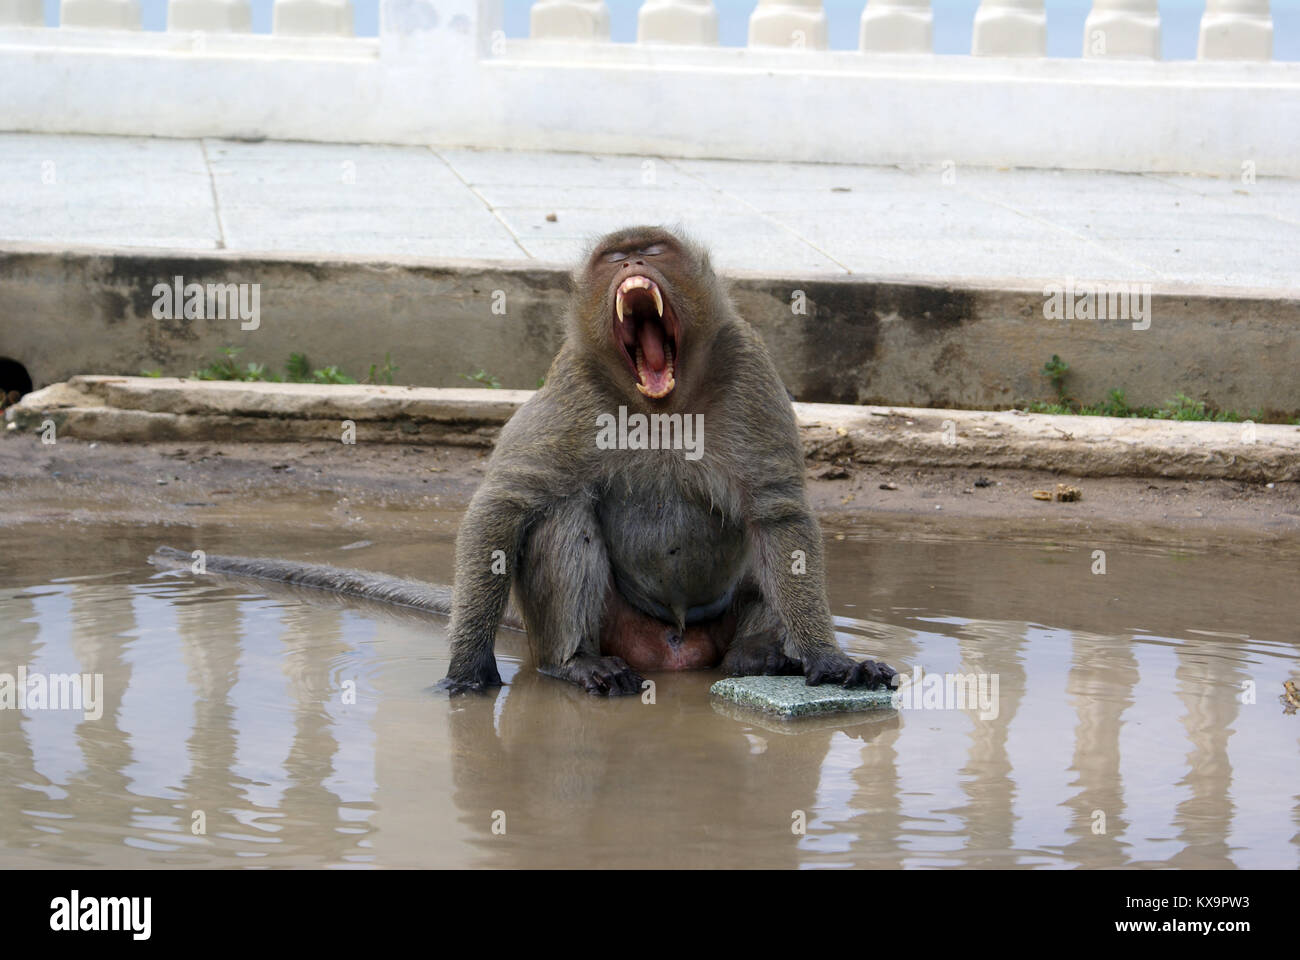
{"type": "Point", "coordinates": [672, 558]}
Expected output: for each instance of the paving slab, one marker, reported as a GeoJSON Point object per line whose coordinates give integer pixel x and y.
{"type": "Point", "coordinates": [937, 224]}
{"type": "Point", "coordinates": [120, 191]}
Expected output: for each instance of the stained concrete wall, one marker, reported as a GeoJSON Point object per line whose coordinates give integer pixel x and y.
{"type": "Point", "coordinates": [845, 340]}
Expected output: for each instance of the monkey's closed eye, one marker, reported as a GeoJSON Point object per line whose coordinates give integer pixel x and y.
{"type": "Point", "coordinates": [653, 250]}
{"type": "Point", "coordinates": [614, 256]}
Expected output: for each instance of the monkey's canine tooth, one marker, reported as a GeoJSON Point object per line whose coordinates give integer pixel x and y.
{"type": "Point", "coordinates": [618, 304]}
{"type": "Point", "coordinates": [659, 300]}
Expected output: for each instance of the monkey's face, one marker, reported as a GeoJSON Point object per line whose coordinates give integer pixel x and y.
{"type": "Point", "coordinates": [645, 286]}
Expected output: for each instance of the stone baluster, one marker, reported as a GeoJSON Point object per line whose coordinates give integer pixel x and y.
{"type": "Point", "coordinates": [896, 26]}
{"type": "Point", "coordinates": [106, 14]}
{"type": "Point", "coordinates": [1122, 28]}
{"type": "Point", "coordinates": [21, 13]}
{"type": "Point", "coordinates": [1236, 30]}
{"type": "Point", "coordinates": [677, 21]}
{"type": "Point", "coordinates": [301, 18]}
{"type": "Point", "coordinates": [788, 23]}
{"type": "Point", "coordinates": [216, 16]}
{"type": "Point", "coordinates": [1010, 28]}
{"type": "Point", "coordinates": [569, 20]}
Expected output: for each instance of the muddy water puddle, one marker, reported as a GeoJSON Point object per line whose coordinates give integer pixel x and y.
{"type": "Point", "coordinates": [1131, 718]}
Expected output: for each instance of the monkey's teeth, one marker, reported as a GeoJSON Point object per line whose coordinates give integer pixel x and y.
{"type": "Point", "coordinates": [638, 283]}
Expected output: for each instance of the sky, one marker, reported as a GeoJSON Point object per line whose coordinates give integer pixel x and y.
{"type": "Point", "coordinates": [952, 23]}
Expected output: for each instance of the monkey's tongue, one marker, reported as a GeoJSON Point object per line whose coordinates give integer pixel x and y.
{"type": "Point", "coordinates": [650, 337]}
{"type": "Point", "coordinates": [654, 361]}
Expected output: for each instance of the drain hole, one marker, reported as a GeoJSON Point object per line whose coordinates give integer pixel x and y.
{"type": "Point", "coordinates": [14, 381]}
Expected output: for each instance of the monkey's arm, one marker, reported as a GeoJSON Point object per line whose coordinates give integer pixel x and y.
{"type": "Point", "coordinates": [523, 478]}
{"type": "Point", "coordinates": [789, 567]}
{"type": "Point", "coordinates": [787, 542]}
{"type": "Point", "coordinates": [487, 548]}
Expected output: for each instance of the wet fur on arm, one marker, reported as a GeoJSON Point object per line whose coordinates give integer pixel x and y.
{"type": "Point", "coordinates": [769, 461]}
{"type": "Point", "coordinates": [527, 475]}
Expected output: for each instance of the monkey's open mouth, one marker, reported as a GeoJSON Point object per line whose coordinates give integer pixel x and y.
{"type": "Point", "coordinates": [646, 328]}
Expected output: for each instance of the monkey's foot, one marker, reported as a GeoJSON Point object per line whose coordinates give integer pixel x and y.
{"type": "Point", "coordinates": [602, 676]}
{"type": "Point", "coordinates": [470, 681]}
{"type": "Point", "coordinates": [761, 654]}
{"type": "Point", "coordinates": [869, 673]}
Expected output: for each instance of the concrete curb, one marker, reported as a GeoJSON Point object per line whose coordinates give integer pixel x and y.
{"type": "Point", "coordinates": [142, 409]}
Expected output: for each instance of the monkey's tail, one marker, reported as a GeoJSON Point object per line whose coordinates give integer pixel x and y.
{"type": "Point", "coordinates": [430, 597]}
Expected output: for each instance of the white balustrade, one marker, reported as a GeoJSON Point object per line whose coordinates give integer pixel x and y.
{"type": "Point", "coordinates": [1010, 28]}
{"type": "Point", "coordinates": [1122, 28]}
{"type": "Point", "coordinates": [109, 14]}
{"type": "Point", "coordinates": [304, 18]}
{"type": "Point", "coordinates": [788, 23]}
{"type": "Point", "coordinates": [1236, 30]}
{"type": "Point", "coordinates": [569, 20]}
{"type": "Point", "coordinates": [896, 26]}
{"type": "Point", "coordinates": [21, 13]}
{"type": "Point", "coordinates": [217, 16]}
{"type": "Point", "coordinates": [442, 72]}
{"type": "Point", "coordinates": [677, 21]}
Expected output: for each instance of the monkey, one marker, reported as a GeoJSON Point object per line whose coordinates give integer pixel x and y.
{"type": "Point", "coordinates": [625, 559]}
{"type": "Point", "coordinates": [633, 558]}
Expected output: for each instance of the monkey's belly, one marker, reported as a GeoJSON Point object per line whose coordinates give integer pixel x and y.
{"type": "Point", "coordinates": [673, 561]}
{"type": "Point", "coordinates": [648, 644]}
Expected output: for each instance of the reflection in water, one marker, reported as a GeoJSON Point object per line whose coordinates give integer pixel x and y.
{"type": "Point", "coordinates": [1137, 724]}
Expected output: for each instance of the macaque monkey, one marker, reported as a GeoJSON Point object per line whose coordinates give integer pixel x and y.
{"type": "Point", "coordinates": [686, 545]}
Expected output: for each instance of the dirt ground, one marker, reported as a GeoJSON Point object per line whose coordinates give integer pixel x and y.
{"type": "Point", "coordinates": [167, 482]}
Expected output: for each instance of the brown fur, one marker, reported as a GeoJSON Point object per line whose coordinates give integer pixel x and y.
{"type": "Point", "coordinates": [571, 518]}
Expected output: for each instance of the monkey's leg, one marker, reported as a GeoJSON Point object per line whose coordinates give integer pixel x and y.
{"type": "Point", "coordinates": [562, 591]}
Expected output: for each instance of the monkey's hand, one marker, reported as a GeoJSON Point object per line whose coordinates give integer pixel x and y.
{"type": "Point", "coordinates": [602, 676]}
{"type": "Point", "coordinates": [760, 654]}
{"type": "Point", "coordinates": [841, 669]}
{"type": "Point", "coordinates": [484, 677]}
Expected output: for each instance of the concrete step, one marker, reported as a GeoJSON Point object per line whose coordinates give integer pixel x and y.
{"type": "Point", "coordinates": [141, 409]}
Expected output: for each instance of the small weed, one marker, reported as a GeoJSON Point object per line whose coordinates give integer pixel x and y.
{"type": "Point", "coordinates": [382, 371]}
{"type": "Point", "coordinates": [298, 369]}
{"type": "Point", "coordinates": [1181, 407]}
{"type": "Point", "coordinates": [331, 374]}
{"type": "Point", "coordinates": [1055, 371]}
{"type": "Point", "coordinates": [227, 369]}
{"type": "Point", "coordinates": [483, 379]}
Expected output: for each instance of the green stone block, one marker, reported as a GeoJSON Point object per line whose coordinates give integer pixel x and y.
{"type": "Point", "coordinates": [790, 697]}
